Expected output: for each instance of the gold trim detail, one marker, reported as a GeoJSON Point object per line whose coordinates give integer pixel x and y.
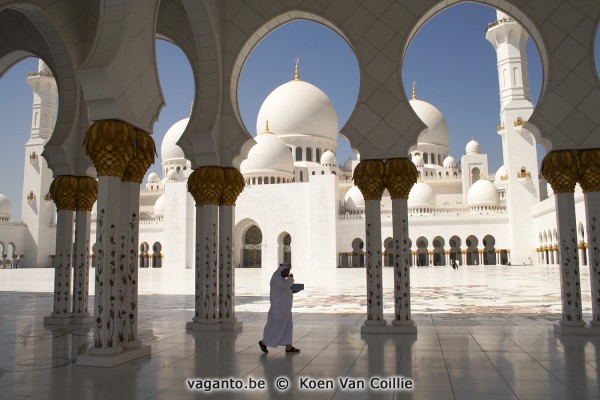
{"type": "Point", "coordinates": [110, 145]}
{"type": "Point", "coordinates": [561, 170]}
{"type": "Point", "coordinates": [143, 157]}
{"type": "Point", "coordinates": [63, 191]}
{"type": "Point", "coordinates": [589, 170]}
{"type": "Point", "coordinates": [233, 185]}
{"type": "Point", "coordinates": [206, 184]}
{"type": "Point", "coordinates": [400, 176]}
{"type": "Point", "coordinates": [369, 176]}
{"type": "Point", "coordinates": [87, 193]}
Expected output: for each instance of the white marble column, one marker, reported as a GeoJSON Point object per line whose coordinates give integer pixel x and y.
{"type": "Point", "coordinates": [61, 311]}
{"type": "Point", "coordinates": [403, 321]}
{"type": "Point", "coordinates": [592, 212]}
{"type": "Point", "coordinates": [226, 269]}
{"type": "Point", "coordinates": [130, 281]}
{"type": "Point", "coordinates": [81, 267]}
{"type": "Point", "coordinates": [373, 263]}
{"type": "Point", "coordinates": [570, 284]}
{"type": "Point", "coordinates": [206, 317]}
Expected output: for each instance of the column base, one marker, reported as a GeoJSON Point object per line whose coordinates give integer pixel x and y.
{"type": "Point", "coordinates": [399, 326]}
{"type": "Point", "coordinates": [204, 325]}
{"type": "Point", "coordinates": [63, 319]}
{"type": "Point", "coordinates": [571, 328]}
{"type": "Point", "coordinates": [231, 324]}
{"type": "Point", "coordinates": [136, 344]}
{"type": "Point", "coordinates": [374, 326]}
{"type": "Point", "coordinates": [595, 324]}
{"type": "Point", "coordinates": [97, 359]}
{"type": "Point", "coordinates": [81, 319]}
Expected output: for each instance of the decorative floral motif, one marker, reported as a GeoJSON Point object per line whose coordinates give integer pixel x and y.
{"type": "Point", "coordinates": [561, 170]}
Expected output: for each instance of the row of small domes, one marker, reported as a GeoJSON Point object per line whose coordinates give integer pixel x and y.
{"type": "Point", "coordinates": [482, 193]}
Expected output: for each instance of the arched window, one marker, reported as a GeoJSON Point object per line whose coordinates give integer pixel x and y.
{"type": "Point", "coordinates": [253, 248]}
{"type": "Point", "coordinates": [287, 249]}
{"type": "Point", "coordinates": [318, 157]}
{"type": "Point", "coordinates": [475, 175]}
{"type": "Point", "coordinates": [309, 154]}
{"type": "Point", "coordinates": [298, 153]}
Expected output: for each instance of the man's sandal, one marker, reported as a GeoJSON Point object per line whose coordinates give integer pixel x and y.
{"type": "Point", "coordinates": [263, 347]}
{"type": "Point", "coordinates": [292, 350]}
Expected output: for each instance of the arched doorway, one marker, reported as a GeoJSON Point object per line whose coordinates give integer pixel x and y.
{"type": "Point", "coordinates": [422, 255]}
{"type": "Point", "coordinates": [438, 251]}
{"type": "Point", "coordinates": [285, 248]}
{"type": "Point", "coordinates": [144, 256]}
{"type": "Point", "coordinates": [455, 254]}
{"type": "Point", "coordinates": [472, 252]}
{"type": "Point", "coordinates": [358, 254]}
{"type": "Point", "coordinates": [489, 250]}
{"type": "Point", "coordinates": [252, 248]}
{"type": "Point", "coordinates": [389, 258]}
{"type": "Point", "coordinates": [157, 255]}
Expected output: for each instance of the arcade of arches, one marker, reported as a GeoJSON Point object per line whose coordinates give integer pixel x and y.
{"type": "Point", "coordinates": [109, 97]}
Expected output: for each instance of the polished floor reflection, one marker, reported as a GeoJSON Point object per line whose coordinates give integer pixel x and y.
{"type": "Point", "coordinates": [497, 345]}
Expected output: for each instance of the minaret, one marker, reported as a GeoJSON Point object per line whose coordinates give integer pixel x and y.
{"type": "Point", "coordinates": [518, 145]}
{"type": "Point", "coordinates": [37, 210]}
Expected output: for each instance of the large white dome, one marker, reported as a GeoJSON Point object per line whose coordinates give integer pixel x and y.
{"type": "Point", "coordinates": [354, 199]}
{"type": "Point", "coordinates": [159, 206]}
{"type": "Point", "coordinates": [5, 207]}
{"type": "Point", "coordinates": [269, 154]}
{"type": "Point", "coordinates": [169, 151]}
{"type": "Point", "coordinates": [299, 108]}
{"type": "Point", "coordinates": [421, 195]}
{"type": "Point", "coordinates": [437, 129]}
{"type": "Point", "coordinates": [483, 193]}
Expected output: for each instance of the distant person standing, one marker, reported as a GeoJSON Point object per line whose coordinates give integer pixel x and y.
{"type": "Point", "coordinates": [279, 328]}
{"type": "Point", "coordinates": [454, 264]}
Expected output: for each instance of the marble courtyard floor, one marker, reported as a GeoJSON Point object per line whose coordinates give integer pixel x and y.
{"type": "Point", "coordinates": [483, 333]}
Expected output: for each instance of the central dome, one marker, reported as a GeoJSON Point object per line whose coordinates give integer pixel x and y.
{"type": "Point", "coordinates": [299, 108]}
{"type": "Point", "coordinates": [437, 129]}
{"type": "Point", "coordinates": [169, 150]}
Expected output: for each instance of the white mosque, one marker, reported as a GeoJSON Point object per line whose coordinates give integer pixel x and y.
{"type": "Point", "coordinates": [300, 203]}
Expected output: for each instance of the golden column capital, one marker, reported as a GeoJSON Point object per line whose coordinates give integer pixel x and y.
{"type": "Point", "coordinates": [400, 176]}
{"type": "Point", "coordinates": [110, 145]}
{"type": "Point", "coordinates": [233, 184]}
{"type": "Point", "coordinates": [63, 191]}
{"type": "Point", "coordinates": [369, 176]}
{"type": "Point", "coordinates": [206, 185]}
{"type": "Point", "coordinates": [87, 193]}
{"type": "Point", "coordinates": [143, 157]}
{"type": "Point", "coordinates": [561, 170]}
{"type": "Point", "coordinates": [589, 170]}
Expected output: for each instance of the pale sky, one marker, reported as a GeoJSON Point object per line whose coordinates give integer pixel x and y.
{"type": "Point", "coordinates": [454, 68]}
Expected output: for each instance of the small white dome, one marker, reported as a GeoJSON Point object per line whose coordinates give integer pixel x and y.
{"type": "Point", "coordinates": [354, 199]}
{"type": "Point", "coordinates": [299, 108]}
{"type": "Point", "coordinates": [159, 206]}
{"type": "Point", "coordinates": [328, 158]}
{"type": "Point", "coordinates": [5, 207]}
{"type": "Point", "coordinates": [418, 160]}
{"type": "Point", "coordinates": [437, 129]}
{"type": "Point", "coordinates": [472, 147]}
{"type": "Point", "coordinates": [153, 177]}
{"type": "Point", "coordinates": [169, 151]}
{"type": "Point", "coordinates": [501, 173]}
{"type": "Point", "coordinates": [483, 193]}
{"type": "Point", "coordinates": [449, 162]}
{"type": "Point", "coordinates": [269, 154]}
{"type": "Point", "coordinates": [173, 175]}
{"type": "Point", "coordinates": [348, 164]}
{"type": "Point", "coordinates": [421, 195]}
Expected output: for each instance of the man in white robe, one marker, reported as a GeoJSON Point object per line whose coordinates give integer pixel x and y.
{"type": "Point", "coordinates": [279, 328]}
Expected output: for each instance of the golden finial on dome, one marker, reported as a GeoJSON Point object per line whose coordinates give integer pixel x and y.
{"type": "Point", "coordinates": [414, 92]}
{"type": "Point", "coordinates": [267, 127]}
{"type": "Point", "coordinates": [296, 72]}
